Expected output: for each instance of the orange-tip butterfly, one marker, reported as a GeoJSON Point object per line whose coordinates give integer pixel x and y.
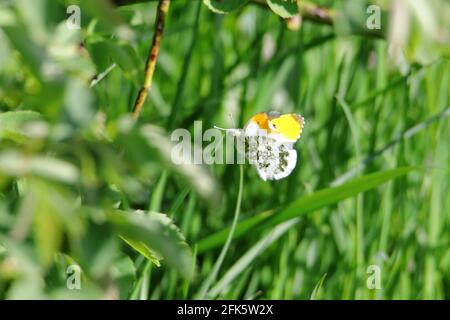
{"type": "Point", "coordinates": [269, 142]}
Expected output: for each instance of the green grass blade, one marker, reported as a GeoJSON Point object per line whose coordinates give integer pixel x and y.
{"type": "Point", "coordinates": [317, 289]}
{"type": "Point", "coordinates": [212, 276]}
{"type": "Point", "coordinates": [304, 205]}
{"type": "Point", "coordinates": [247, 258]}
{"type": "Point", "coordinates": [158, 193]}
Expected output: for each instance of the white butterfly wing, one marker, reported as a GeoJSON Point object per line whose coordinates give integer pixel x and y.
{"type": "Point", "coordinates": [271, 173]}
{"type": "Point", "coordinates": [272, 160]}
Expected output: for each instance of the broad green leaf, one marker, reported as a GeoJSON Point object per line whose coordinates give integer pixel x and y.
{"type": "Point", "coordinates": [304, 205]}
{"type": "Point", "coordinates": [78, 102]}
{"type": "Point", "coordinates": [27, 263]}
{"type": "Point", "coordinates": [16, 164]}
{"type": "Point", "coordinates": [33, 15]}
{"type": "Point", "coordinates": [47, 224]}
{"type": "Point", "coordinates": [33, 53]}
{"type": "Point", "coordinates": [157, 232]}
{"type": "Point", "coordinates": [284, 8]}
{"type": "Point", "coordinates": [11, 124]}
{"type": "Point", "coordinates": [65, 49]}
{"type": "Point", "coordinates": [99, 53]}
{"type": "Point", "coordinates": [46, 206]}
{"type": "Point", "coordinates": [7, 18]}
{"type": "Point", "coordinates": [224, 6]}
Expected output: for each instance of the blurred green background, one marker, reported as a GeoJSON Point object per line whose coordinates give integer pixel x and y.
{"type": "Point", "coordinates": [82, 184]}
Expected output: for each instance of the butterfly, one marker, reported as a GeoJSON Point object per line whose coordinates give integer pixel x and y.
{"type": "Point", "coordinates": [269, 140]}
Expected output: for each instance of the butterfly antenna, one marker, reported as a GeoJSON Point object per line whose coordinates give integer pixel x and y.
{"type": "Point", "coordinates": [233, 132]}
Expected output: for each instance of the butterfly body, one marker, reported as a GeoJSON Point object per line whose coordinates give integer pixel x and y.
{"type": "Point", "coordinates": [269, 143]}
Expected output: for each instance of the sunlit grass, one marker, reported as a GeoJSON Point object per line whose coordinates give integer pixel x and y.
{"type": "Point", "coordinates": [371, 187]}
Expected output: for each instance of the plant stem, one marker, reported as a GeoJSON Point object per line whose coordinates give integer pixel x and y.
{"type": "Point", "coordinates": [212, 276]}
{"type": "Point", "coordinates": [163, 8]}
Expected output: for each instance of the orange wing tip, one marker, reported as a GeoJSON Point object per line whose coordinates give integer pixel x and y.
{"type": "Point", "coordinates": [299, 118]}
{"type": "Point", "coordinates": [301, 121]}
{"type": "Point", "coordinates": [261, 119]}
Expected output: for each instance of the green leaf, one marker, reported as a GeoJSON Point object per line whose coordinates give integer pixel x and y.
{"type": "Point", "coordinates": [13, 163]}
{"type": "Point", "coordinates": [126, 57]}
{"type": "Point", "coordinates": [23, 253]}
{"type": "Point", "coordinates": [316, 294]}
{"type": "Point", "coordinates": [78, 102]}
{"type": "Point", "coordinates": [224, 6]}
{"type": "Point", "coordinates": [65, 50]}
{"type": "Point", "coordinates": [33, 53]}
{"type": "Point", "coordinates": [155, 231]}
{"type": "Point", "coordinates": [284, 8]}
{"type": "Point", "coordinates": [99, 53]}
{"type": "Point", "coordinates": [140, 247]}
{"type": "Point", "coordinates": [47, 206]}
{"type": "Point", "coordinates": [303, 205]}
{"type": "Point", "coordinates": [7, 17]}
{"type": "Point", "coordinates": [33, 14]}
{"type": "Point", "coordinates": [11, 124]}
{"type": "Point", "coordinates": [47, 226]}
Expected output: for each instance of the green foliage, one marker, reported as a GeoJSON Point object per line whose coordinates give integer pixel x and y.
{"type": "Point", "coordinates": [306, 204]}
{"type": "Point", "coordinates": [283, 8]}
{"type": "Point", "coordinates": [83, 184]}
{"type": "Point", "coordinates": [223, 7]}
{"type": "Point", "coordinates": [11, 124]}
{"type": "Point", "coordinates": [155, 231]}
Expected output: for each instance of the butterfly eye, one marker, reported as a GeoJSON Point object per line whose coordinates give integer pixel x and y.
{"type": "Point", "coordinates": [272, 126]}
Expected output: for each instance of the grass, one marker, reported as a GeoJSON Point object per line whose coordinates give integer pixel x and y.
{"type": "Point", "coordinates": [371, 187]}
